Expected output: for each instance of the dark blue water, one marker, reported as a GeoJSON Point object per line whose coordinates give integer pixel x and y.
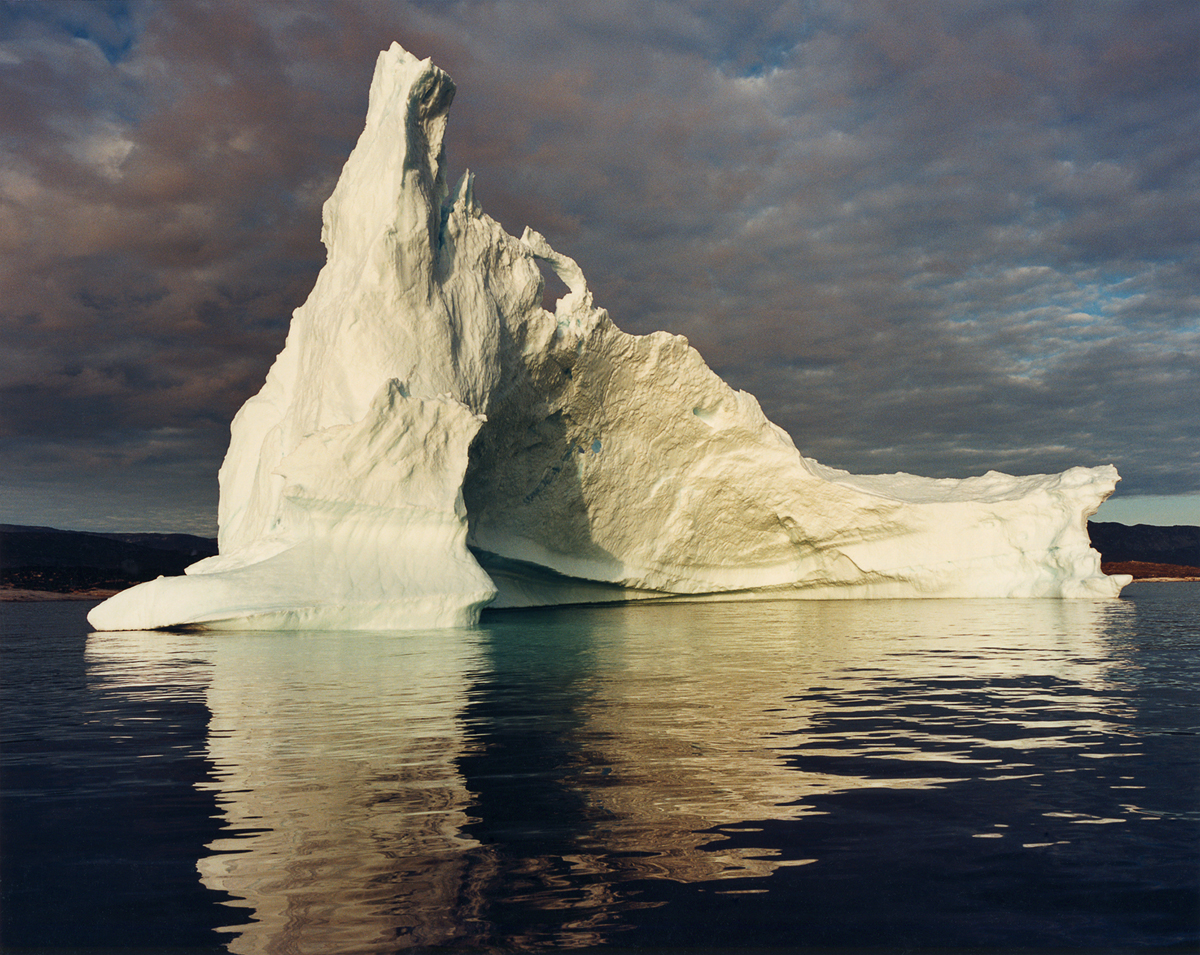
{"type": "Point", "coordinates": [887, 775]}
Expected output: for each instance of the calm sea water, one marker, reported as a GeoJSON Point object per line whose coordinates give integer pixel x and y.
{"type": "Point", "coordinates": [901, 776]}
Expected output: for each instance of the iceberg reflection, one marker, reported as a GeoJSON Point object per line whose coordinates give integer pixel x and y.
{"type": "Point", "coordinates": [391, 790]}
{"type": "Point", "coordinates": [691, 718]}
{"type": "Point", "coordinates": [340, 749]}
{"type": "Point", "coordinates": [334, 767]}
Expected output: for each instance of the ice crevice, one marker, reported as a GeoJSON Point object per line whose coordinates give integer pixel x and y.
{"type": "Point", "coordinates": [431, 441]}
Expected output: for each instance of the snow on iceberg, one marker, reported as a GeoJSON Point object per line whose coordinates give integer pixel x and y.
{"type": "Point", "coordinates": [431, 440]}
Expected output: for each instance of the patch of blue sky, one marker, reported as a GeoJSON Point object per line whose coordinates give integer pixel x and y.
{"type": "Point", "coordinates": [771, 54]}
{"type": "Point", "coordinates": [1084, 301]}
{"type": "Point", "coordinates": [109, 25]}
{"type": "Point", "coordinates": [1165, 510]}
{"type": "Point", "coordinates": [46, 32]}
{"type": "Point", "coordinates": [770, 58]}
{"type": "Point", "coordinates": [118, 39]}
{"type": "Point", "coordinates": [1109, 291]}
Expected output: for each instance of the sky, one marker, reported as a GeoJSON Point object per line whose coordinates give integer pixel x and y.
{"type": "Point", "coordinates": [934, 237]}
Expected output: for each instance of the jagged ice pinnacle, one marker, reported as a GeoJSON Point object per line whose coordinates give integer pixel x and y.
{"type": "Point", "coordinates": [431, 440]}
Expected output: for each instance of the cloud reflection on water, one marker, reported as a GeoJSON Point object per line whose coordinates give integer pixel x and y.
{"type": "Point", "coordinates": [382, 791]}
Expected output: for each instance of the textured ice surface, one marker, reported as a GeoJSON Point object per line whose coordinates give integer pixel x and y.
{"type": "Point", "coordinates": [426, 401]}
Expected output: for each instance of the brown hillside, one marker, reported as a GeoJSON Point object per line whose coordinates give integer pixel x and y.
{"type": "Point", "coordinates": [1141, 569]}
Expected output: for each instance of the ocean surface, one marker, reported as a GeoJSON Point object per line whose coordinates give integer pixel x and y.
{"type": "Point", "coordinates": [884, 775]}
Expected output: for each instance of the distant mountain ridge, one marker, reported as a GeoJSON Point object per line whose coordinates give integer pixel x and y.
{"type": "Point", "coordinates": [46, 558]}
{"type": "Point", "coordinates": [1149, 543]}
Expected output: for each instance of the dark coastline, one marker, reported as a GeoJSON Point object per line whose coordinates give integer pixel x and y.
{"type": "Point", "coordinates": [48, 563]}
{"type": "Point", "coordinates": [44, 563]}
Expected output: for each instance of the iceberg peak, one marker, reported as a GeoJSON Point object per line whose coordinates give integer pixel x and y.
{"type": "Point", "coordinates": [431, 439]}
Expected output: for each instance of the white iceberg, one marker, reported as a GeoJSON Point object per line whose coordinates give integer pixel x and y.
{"type": "Point", "coordinates": [431, 440]}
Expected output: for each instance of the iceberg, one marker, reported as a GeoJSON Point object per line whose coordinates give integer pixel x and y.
{"type": "Point", "coordinates": [431, 440]}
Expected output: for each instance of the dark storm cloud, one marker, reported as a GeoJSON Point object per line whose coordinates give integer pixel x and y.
{"type": "Point", "coordinates": [937, 237]}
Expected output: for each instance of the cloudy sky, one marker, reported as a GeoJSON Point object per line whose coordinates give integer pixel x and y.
{"type": "Point", "coordinates": [936, 237]}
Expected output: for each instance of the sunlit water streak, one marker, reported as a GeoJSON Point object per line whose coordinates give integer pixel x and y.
{"type": "Point", "coordinates": [895, 773]}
